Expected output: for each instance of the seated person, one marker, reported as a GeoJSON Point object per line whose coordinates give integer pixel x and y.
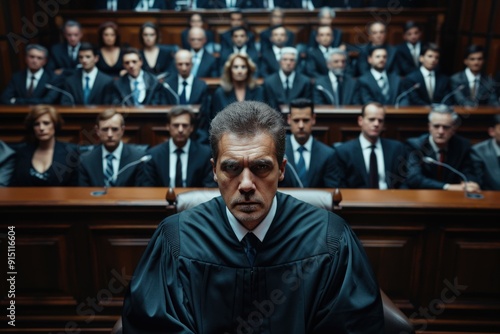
{"type": "Point", "coordinates": [236, 20]}
{"type": "Point", "coordinates": [105, 165]}
{"type": "Point", "coordinates": [196, 20]}
{"type": "Point", "coordinates": [229, 4]}
{"type": "Point", "coordinates": [442, 145]}
{"type": "Point", "coordinates": [180, 161]}
{"type": "Point", "coordinates": [29, 86]}
{"type": "Point", "coordinates": [311, 159]}
{"type": "Point", "coordinates": [287, 84]}
{"type": "Point", "coordinates": [205, 65]}
{"type": "Point", "coordinates": [270, 57]}
{"type": "Point", "coordinates": [478, 89]}
{"type": "Point", "coordinates": [138, 87]}
{"type": "Point", "coordinates": [110, 52]}
{"type": "Point", "coordinates": [325, 19]}
{"type": "Point", "coordinates": [378, 85]}
{"type": "Point", "coordinates": [88, 86]}
{"type": "Point", "coordinates": [237, 84]}
{"type": "Point", "coordinates": [43, 161]}
{"type": "Point", "coordinates": [276, 18]}
{"type": "Point", "coordinates": [409, 52]}
{"type": "Point", "coordinates": [338, 87]}
{"type": "Point", "coordinates": [370, 161]}
{"type": "Point", "coordinates": [434, 86]}
{"type": "Point", "coordinates": [64, 56]}
{"type": "Point", "coordinates": [157, 59]}
{"type": "Point", "coordinates": [241, 44]}
{"type": "Point", "coordinates": [7, 163]}
{"type": "Point", "coordinates": [486, 157]}
{"type": "Point", "coordinates": [317, 55]}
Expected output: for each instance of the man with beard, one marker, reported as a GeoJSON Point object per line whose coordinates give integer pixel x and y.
{"type": "Point", "coordinates": [252, 260]}
{"type": "Point", "coordinates": [180, 161]}
{"type": "Point", "coordinates": [100, 166]}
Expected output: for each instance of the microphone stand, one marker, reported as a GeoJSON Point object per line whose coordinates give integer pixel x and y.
{"type": "Point", "coordinates": [104, 191]}
{"type": "Point", "coordinates": [403, 94]}
{"type": "Point", "coordinates": [167, 86]}
{"type": "Point", "coordinates": [447, 96]}
{"type": "Point", "coordinates": [57, 89]}
{"type": "Point", "coordinates": [294, 172]}
{"type": "Point", "coordinates": [322, 89]}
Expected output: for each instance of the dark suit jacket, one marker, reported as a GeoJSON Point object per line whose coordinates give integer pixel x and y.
{"type": "Point", "coordinates": [7, 163]}
{"type": "Point", "coordinates": [265, 42]}
{"type": "Point", "coordinates": [405, 59]}
{"type": "Point", "coordinates": [92, 174]}
{"type": "Point", "coordinates": [185, 41]}
{"type": "Point", "coordinates": [199, 170]}
{"type": "Point", "coordinates": [158, 4]}
{"type": "Point", "coordinates": [209, 66]}
{"type": "Point", "coordinates": [122, 4]}
{"type": "Point", "coordinates": [337, 38]}
{"type": "Point", "coordinates": [16, 88]}
{"type": "Point", "coordinates": [369, 90]}
{"type": "Point", "coordinates": [486, 165]}
{"type": "Point", "coordinates": [218, 4]}
{"type": "Point", "coordinates": [199, 90]}
{"type": "Point", "coordinates": [316, 63]}
{"type": "Point", "coordinates": [99, 94]}
{"type": "Point", "coordinates": [221, 99]}
{"type": "Point", "coordinates": [392, 65]}
{"type": "Point", "coordinates": [268, 63]}
{"type": "Point", "coordinates": [155, 92]}
{"type": "Point", "coordinates": [350, 94]}
{"type": "Point", "coordinates": [62, 173]}
{"type": "Point", "coordinates": [275, 93]}
{"type": "Point", "coordinates": [424, 176]}
{"type": "Point", "coordinates": [227, 43]}
{"type": "Point", "coordinates": [420, 97]}
{"type": "Point", "coordinates": [485, 95]}
{"type": "Point", "coordinates": [298, 3]}
{"type": "Point", "coordinates": [60, 59]}
{"type": "Point", "coordinates": [350, 168]}
{"type": "Point", "coordinates": [321, 169]}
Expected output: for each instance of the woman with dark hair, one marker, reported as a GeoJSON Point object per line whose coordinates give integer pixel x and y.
{"type": "Point", "coordinates": [237, 83]}
{"type": "Point", "coordinates": [42, 160]}
{"type": "Point", "coordinates": [157, 59]}
{"type": "Point", "coordinates": [110, 52]}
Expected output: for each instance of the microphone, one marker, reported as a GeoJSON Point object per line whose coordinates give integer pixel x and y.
{"type": "Point", "coordinates": [447, 96]}
{"type": "Point", "coordinates": [322, 89]}
{"type": "Point", "coordinates": [124, 168]}
{"type": "Point", "coordinates": [294, 172]}
{"type": "Point", "coordinates": [125, 99]}
{"type": "Point", "coordinates": [167, 86]}
{"type": "Point", "coordinates": [429, 160]}
{"type": "Point", "coordinates": [57, 89]}
{"type": "Point", "coordinates": [406, 92]}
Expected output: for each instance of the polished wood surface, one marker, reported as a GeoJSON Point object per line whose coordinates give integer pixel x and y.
{"type": "Point", "coordinates": [73, 248]}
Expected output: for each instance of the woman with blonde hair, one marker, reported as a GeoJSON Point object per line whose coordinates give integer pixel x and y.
{"type": "Point", "coordinates": [42, 160]}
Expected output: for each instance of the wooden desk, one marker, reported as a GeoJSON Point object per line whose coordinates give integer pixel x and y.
{"type": "Point", "coordinates": [75, 252]}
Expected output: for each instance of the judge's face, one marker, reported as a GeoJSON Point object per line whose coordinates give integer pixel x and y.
{"type": "Point", "coordinates": [301, 121]}
{"type": "Point", "coordinates": [133, 64]}
{"type": "Point", "coordinates": [372, 123]}
{"type": "Point", "coordinates": [35, 59]}
{"type": "Point", "coordinates": [87, 59]}
{"type": "Point", "coordinates": [44, 128]}
{"type": "Point", "coordinates": [239, 70]}
{"type": "Point", "coordinates": [248, 173]}
{"type": "Point", "coordinates": [110, 132]}
{"type": "Point", "coordinates": [441, 129]}
{"type": "Point", "coordinates": [149, 37]}
{"type": "Point", "coordinates": [378, 59]}
{"type": "Point", "coordinates": [430, 60]}
{"type": "Point", "coordinates": [180, 129]}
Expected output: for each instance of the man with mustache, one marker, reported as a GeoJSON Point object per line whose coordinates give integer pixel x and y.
{"type": "Point", "coordinates": [253, 260]}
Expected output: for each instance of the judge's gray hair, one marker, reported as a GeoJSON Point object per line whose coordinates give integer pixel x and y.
{"type": "Point", "coordinates": [248, 119]}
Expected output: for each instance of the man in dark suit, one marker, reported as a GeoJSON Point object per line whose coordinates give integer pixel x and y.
{"type": "Point", "coordinates": [377, 33]}
{"type": "Point", "coordinates": [270, 56]}
{"type": "Point", "coordinates": [276, 17]}
{"type": "Point", "coordinates": [377, 85]}
{"type": "Point", "coordinates": [64, 56]}
{"type": "Point", "coordinates": [478, 89]}
{"type": "Point", "coordinates": [138, 87]}
{"type": "Point", "coordinates": [29, 86]}
{"type": "Point", "coordinates": [145, 5]}
{"type": "Point", "coordinates": [337, 87]}
{"type": "Point", "coordinates": [205, 65]}
{"type": "Point", "coordinates": [287, 84]}
{"type": "Point", "coordinates": [105, 165]}
{"type": "Point", "coordinates": [433, 86]}
{"type": "Point", "coordinates": [325, 18]}
{"type": "Point", "coordinates": [443, 145]}
{"type": "Point", "coordinates": [190, 90]}
{"type": "Point", "coordinates": [311, 159]}
{"type": "Point", "coordinates": [240, 43]}
{"type": "Point", "coordinates": [220, 4]}
{"type": "Point", "coordinates": [7, 163]}
{"type": "Point", "coordinates": [486, 157]}
{"type": "Point", "coordinates": [180, 161]}
{"type": "Point", "coordinates": [88, 86]}
{"type": "Point", "coordinates": [316, 56]}
{"type": "Point", "coordinates": [408, 52]}
{"type": "Point", "coordinates": [236, 20]}
{"type": "Point", "coordinates": [370, 161]}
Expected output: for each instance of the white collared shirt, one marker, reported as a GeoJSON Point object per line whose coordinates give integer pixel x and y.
{"type": "Point", "coordinates": [38, 75]}
{"type": "Point", "coordinates": [415, 51]}
{"type": "Point", "coordinates": [283, 77]}
{"type": "Point", "coordinates": [189, 85]}
{"type": "Point", "coordinates": [117, 153]}
{"type": "Point", "coordinates": [306, 153]}
{"type": "Point", "coordinates": [260, 231]}
{"type": "Point", "coordinates": [74, 52]}
{"type": "Point", "coordinates": [366, 148]}
{"type": "Point", "coordinates": [197, 56]}
{"type": "Point", "coordinates": [112, 5]}
{"type": "Point", "coordinates": [334, 81]}
{"type": "Point", "coordinates": [376, 74]}
{"type": "Point", "coordinates": [243, 50]}
{"type": "Point", "coordinates": [141, 86]}
{"type": "Point", "coordinates": [425, 73]}
{"type": "Point", "coordinates": [92, 75]}
{"type": "Point", "coordinates": [324, 50]}
{"type": "Point", "coordinates": [471, 78]}
{"type": "Point", "coordinates": [277, 52]}
{"type": "Point", "coordinates": [145, 4]}
{"type": "Point", "coordinates": [173, 161]}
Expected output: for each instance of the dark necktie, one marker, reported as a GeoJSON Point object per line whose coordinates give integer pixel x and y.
{"type": "Point", "coordinates": [86, 90]}
{"type": "Point", "coordinates": [251, 244]}
{"type": "Point", "coordinates": [31, 88]}
{"type": "Point", "coordinates": [178, 168]}
{"type": "Point", "coordinates": [373, 169]}
{"type": "Point", "coordinates": [109, 171]}
{"type": "Point", "coordinates": [182, 97]}
{"type": "Point", "coordinates": [301, 166]}
{"type": "Point", "coordinates": [473, 91]}
{"type": "Point", "coordinates": [340, 89]}
{"type": "Point", "coordinates": [287, 88]}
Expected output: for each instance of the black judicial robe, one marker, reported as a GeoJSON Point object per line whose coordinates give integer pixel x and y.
{"type": "Point", "coordinates": [310, 275]}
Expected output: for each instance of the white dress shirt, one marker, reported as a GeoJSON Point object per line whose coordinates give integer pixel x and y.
{"type": "Point", "coordinates": [38, 75]}
{"type": "Point", "coordinates": [260, 231]}
{"type": "Point", "coordinates": [92, 75]}
{"type": "Point", "coordinates": [366, 148]}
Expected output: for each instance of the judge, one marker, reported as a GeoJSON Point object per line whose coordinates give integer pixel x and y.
{"type": "Point", "coordinates": [253, 260]}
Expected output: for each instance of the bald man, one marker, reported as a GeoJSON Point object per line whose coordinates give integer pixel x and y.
{"type": "Point", "coordinates": [204, 63]}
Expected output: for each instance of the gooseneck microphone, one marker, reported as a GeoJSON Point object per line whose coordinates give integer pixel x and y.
{"type": "Point", "coordinates": [323, 89]}
{"type": "Point", "coordinates": [429, 160]}
{"type": "Point", "coordinates": [406, 92]}
{"type": "Point", "coordinates": [62, 91]}
{"type": "Point", "coordinates": [177, 98]}
{"type": "Point", "coordinates": [294, 173]}
{"type": "Point", "coordinates": [124, 168]}
{"type": "Point", "coordinates": [447, 96]}
{"type": "Point", "coordinates": [125, 99]}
